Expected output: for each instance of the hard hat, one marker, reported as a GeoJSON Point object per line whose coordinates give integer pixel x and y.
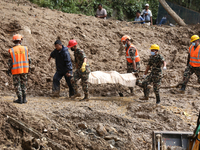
{"type": "Point", "coordinates": [147, 5]}
{"type": "Point", "coordinates": [194, 38]}
{"type": "Point", "coordinates": [125, 37]}
{"type": "Point", "coordinates": [72, 43]}
{"type": "Point", "coordinates": [154, 46]}
{"type": "Point", "coordinates": [17, 37]}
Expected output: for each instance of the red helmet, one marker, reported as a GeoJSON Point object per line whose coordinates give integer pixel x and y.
{"type": "Point", "coordinates": [17, 37]}
{"type": "Point", "coordinates": [72, 43]}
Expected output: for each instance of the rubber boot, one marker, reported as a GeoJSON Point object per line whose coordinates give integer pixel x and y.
{"type": "Point", "coordinates": [24, 99]}
{"type": "Point", "coordinates": [19, 100]}
{"type": "Point", "coordinates": [145, 95]}
{"type": "Point", "coordinates": [157, 99]}
{"type": "Point", "coordinates": [182, 90]}
{"type": "Point", "coordinates": [86, 98]}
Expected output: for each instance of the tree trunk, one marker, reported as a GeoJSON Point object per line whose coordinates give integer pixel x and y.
{"type": "Point", "coordinates": [172, 13]}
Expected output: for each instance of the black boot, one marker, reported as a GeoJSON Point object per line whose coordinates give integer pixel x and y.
{"type": "Point", "coordinates": [157, 99]}
{"type": "Point", "coordinates": [24, 98]}
{"type": "Point", "coordinates": [19, 100]}
{"type": "Point", "coordinates": [182, 90]}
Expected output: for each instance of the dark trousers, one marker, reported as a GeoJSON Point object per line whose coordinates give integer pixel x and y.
{"type": "Point", "coordinates": [56, 83]}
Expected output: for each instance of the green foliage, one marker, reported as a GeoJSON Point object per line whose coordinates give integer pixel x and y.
{"type": "Point", "coordinates": [125, 9]}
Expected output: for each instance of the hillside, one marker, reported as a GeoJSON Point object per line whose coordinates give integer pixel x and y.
{"type": "Point", "coordinates": [132, 119]}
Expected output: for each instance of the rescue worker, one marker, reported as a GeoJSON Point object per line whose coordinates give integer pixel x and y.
{"type": "Point", "coordinates": [82, 70]}
{"type": "Point", "coordinates": [193, 63]}
{"type": "Point", "coordinates": [155, 63]}
{"type": "Point", "coordinates": [63, 68]}
{"type": "Point", "coordinates": [132, 56]}
{"type": "Point", "coordinates": [19, 65]}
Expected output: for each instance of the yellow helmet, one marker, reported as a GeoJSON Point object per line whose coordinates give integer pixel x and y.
{"type": "Point", "coordinates": [155, 46]}
{"type": "Point", "coordinates": [194, 38]}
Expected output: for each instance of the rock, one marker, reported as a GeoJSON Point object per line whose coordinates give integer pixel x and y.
{"type": "Point", "coordinates": [112, 137]}
{"type": "Point", "coordinates": [110, 129]}
{"type": "Point", "coordinates": [119, 144]}
{"type": "Point", "coordinates": [82, 125]}
{"type": "Point", "coordinates": [112, 142]}
{"type": "Point", "coordinates": [82, 134]}
{"type": "Point", "coordinates": [65, 132]}
{"type": "Point", "coordinates": [26, 143]}
{"type": "Point", "coordinates": [45, 130]}
{"type": "Point", "coordinates": [101, 130]}
{"type": "Point", "coordinates": [36, 143]}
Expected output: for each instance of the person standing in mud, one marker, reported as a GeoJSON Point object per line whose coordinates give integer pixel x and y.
{"type": "Point", "coordinates": [82, 70]}
{"type": "Point", "coordinates": [132, 56]}
{"type": "Point", "coordinates": [193, 63]}
{"type": "Point", "coordinates": [63, 68]}
{"type": "Point", "coordinates": [155, 63]}
{"type": "Point", "coordinates": [19, 66]}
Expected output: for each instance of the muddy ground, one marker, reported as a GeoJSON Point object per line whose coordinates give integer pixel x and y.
{"type": "Point", "coordinates": [107, 121]}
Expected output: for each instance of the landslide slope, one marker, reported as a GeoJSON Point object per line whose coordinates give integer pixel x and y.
{"type": "Point", "coordinates": [99, 38]}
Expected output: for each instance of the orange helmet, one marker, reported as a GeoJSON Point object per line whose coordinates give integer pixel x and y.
{"type": "Point", "coordinates": [72, 43]}
{"type": "Point", "coordinates": [125, 37]}
{"type": "Point", "coordinates": [17, 37]}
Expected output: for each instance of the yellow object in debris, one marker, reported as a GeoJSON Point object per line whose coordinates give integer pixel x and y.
{"type": "Point", "coordinates": [186, 114]}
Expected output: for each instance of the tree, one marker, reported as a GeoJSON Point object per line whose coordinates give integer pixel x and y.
{"type": "Point", "coordinates": [172, 13]}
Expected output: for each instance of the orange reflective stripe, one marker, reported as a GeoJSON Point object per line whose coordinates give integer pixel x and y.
{"type": "Point", "coordinates": [19, 55]}
{"type": "Point", "coordinates": [195, 56]}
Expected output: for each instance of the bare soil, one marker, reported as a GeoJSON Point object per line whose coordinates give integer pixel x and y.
{"type": "Point", "coordinates": [107, 121]}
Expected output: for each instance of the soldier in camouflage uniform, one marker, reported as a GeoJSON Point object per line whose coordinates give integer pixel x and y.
{"type": "Point", "coordinates": [82, 70]}
{"type": "Point", "coordinates": [193, 63]}
{"type": "Point", "coordinates": [132, 56]}
{"type": "Point", "coordinates": [155, 63]}
{"type": "Point", "coordinates": [19, 68]}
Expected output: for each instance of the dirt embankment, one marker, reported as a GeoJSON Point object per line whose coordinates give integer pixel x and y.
{"type": "Point", "coordinates": [101, 123]}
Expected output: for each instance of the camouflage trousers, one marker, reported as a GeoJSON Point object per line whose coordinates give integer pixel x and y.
{"type": "Point", "coordinates": [189, 71]}
{"type": "Point", "coordinates": [156, 79]}
{"type": "Point", "coordinates": [130, 70]}
{"type": "Point", "coordinates": [130, 67]}
{"type": "Point", "coordinates": [20, 83]}
{"type": "Point", "coordinates": [84, 76]}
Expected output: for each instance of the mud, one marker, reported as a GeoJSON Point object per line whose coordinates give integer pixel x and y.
{"type": "Point", "coordinates": [107, 121]}
{"type": "Point", "coordinates": [127, 123]}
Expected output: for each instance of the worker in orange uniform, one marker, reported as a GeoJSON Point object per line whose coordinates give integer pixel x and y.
{"type": "Point", "coordinates": [19, 67]}
{"type": "Point", "coordinates": [193, 63]}
{"type": "Point", "coordinates": [132, 56]}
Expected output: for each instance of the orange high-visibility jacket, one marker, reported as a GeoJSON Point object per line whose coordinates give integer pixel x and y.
{"type": "Point", "coordinates": [194, 56]}
{"type": "Point", "coordinates": [19, 56]}
{"type": "Point", "coordinates": [128, 57]}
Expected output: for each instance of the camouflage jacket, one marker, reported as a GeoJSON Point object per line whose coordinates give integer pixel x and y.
{"type": "Point", "coordinates": [155, 62]}
{"type": "Point", "coordinates": [79, 57]}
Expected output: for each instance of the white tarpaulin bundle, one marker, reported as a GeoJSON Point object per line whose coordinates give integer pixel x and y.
{"type": "Point", "coordinates": [113, 77]}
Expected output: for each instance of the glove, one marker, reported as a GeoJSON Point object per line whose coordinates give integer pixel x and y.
{"type": "Point", "coordinates": [164, 68]}
{"type": "Point", "coordinates": [83, 67]}
{"type": "Point", "coordinates": [144, 76]}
